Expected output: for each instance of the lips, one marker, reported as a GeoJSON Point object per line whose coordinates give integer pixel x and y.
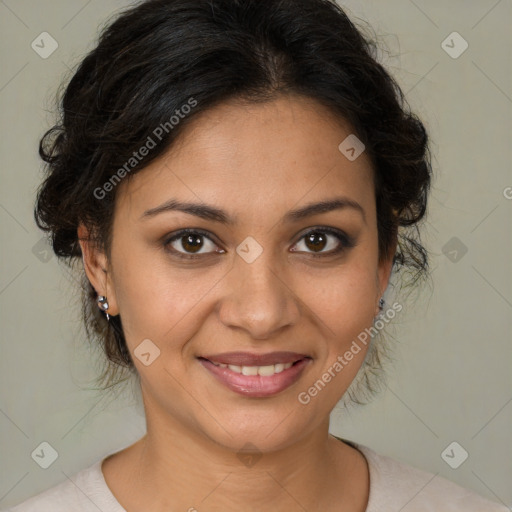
{"type": "Point", "coordinates": [256, 375]}
{"type": "Point", "coordinates": [248, 359]}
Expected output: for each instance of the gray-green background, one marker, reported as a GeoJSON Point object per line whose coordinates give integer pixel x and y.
{"type": "Point", "coordinates": [451, 379]}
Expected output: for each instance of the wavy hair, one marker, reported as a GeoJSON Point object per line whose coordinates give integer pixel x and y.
{"type": "Point", "coordinates": [153, 57]}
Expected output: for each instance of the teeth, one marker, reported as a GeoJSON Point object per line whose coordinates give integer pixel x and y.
{"type": "Point", "coordinates": [278, 368]}
{"type": "Point", "coordinates": [264, 371]}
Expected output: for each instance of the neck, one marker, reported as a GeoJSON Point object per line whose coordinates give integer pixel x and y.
{"type": "Point", "coordinates": [179, 469]}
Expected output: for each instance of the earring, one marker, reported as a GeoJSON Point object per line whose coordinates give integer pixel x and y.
{"type": "Point", "coordinates": [103, 305]}
{"type": "Point", "coordinates": [381, 304]}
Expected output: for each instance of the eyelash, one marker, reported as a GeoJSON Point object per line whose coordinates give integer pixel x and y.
{"type": "Point", "coordinates": [346, 242]}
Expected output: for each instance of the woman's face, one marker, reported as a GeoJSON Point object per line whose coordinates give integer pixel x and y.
{"type": "Point", "coordinates": [263, 277]}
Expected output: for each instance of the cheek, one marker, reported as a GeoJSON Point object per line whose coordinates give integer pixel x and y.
{"type": "Point", "coordinates": [157, 299]}
{"type": "Point", "coordinates": [345, 304]}
{"type": "Point", "coordinates": [343, 298]}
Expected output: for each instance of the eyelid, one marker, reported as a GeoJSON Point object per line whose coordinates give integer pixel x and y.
{"type": "Point", "coordinates": [343, 238]}
{"type": "Point", "coordinates": [168, 239]}
{"type": "Point", "coordinates": [346, 241]}
{"type": "Point", "coordinates": [329, 230]}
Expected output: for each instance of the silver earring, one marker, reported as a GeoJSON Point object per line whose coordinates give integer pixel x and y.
{"type": "Point", "coordinates": [103, 305]}
{"type": "Point", "coordinates": [381, 304]}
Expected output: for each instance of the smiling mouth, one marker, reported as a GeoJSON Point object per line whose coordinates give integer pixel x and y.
{"type": "Point", "coordinates": [257, 381]}
{"type": "Point", "coordinates": [264, 371]}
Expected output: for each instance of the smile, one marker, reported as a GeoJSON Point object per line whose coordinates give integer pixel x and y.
{"type": "Point", "coordinates": [257, 381]}
{"type": "Point", "coordinates": [264, 371]}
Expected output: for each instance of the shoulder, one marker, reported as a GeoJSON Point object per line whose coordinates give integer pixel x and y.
{"type": "Point", "coordinates": [395, 486]}
{"type": "Point", "coordinates": [86, 491]}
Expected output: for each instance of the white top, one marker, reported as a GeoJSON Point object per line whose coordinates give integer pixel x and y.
{"type": "Point", "coordinates": [394, 487]}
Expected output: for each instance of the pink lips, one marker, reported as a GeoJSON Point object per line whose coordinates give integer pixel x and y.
{"type": "Point", "coordinates": [256, 386]}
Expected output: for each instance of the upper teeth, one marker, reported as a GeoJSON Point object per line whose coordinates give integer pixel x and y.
{"type": "Point", "coordinates": [256, 370]}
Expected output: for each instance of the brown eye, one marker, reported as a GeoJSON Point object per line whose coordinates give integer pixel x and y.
{"type": "Point", "coordinates": [188, 243]}
{"type": "Point", "coordinates": [324, 242]}
{"type": "Point", "coordinates": [191, 243]}
{"type": "Point", "coordinates": [316, 241]}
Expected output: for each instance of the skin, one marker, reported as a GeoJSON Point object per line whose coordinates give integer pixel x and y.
{"type": "Point", "coordinates": [256, 162]}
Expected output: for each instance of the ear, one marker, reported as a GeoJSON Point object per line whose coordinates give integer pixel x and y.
{"type": "Point", "coordinates": [384, 272]}
{"type": "Point", "coordinates": [96, 266]}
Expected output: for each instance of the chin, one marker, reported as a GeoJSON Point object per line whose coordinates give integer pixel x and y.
{"type": "Point", "coordinates": [259, 431]}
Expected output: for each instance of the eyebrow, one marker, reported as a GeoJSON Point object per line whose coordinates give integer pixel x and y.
{"type": "Point", "coordinates": [214, 214]}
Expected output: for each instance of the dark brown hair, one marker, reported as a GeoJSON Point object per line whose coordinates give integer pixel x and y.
{"type": "Point", "coordinates": [154, 57]}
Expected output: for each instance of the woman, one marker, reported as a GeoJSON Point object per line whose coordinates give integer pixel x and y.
{"type": "Point", "coordinates": [240, 178]}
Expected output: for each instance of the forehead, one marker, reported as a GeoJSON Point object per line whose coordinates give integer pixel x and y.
{"type": "Point", "coordinates": [255, 158]}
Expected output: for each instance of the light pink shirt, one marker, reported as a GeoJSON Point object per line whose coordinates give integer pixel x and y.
{"type": "Point", "coordinates": [394, 487]}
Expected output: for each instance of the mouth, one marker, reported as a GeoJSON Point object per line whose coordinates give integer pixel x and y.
{"type": "Point", "coordinates": [256, 375]}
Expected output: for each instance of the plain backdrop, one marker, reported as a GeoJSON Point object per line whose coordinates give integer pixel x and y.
{"type": "Point", "coordinates": [451, 378]}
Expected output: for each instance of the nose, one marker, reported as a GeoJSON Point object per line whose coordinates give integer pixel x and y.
{"type": "Point", "coordinates": [258, 299]}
